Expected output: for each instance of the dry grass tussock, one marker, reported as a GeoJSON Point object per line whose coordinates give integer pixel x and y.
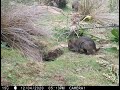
{"type": "Point", "coordinates": [18, 29]}
{"type": "Point", "coordinates": [98, 10]}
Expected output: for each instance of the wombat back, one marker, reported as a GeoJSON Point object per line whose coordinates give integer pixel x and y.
{"type": "Point", "coordinates": [88, 45]}
{"type": "Point", "coordinates": [83, 45]}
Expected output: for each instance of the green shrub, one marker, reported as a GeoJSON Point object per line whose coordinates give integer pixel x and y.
{"type": "Point", "coordinates": [115, 33]}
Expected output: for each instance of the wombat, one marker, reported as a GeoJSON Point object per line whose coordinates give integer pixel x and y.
{"type": "Point", "coordinates": [82, 45]}
{"type": "Point", "coordinates": [58, 3]}
{"type": "Point", "coordinates": [61, 3]}
{"type": "Point", "coordinates": [75, 5]}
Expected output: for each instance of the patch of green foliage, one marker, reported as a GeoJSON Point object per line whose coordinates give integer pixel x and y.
{"type": "Point", "coordinates": [113, 36]}
{"type": "Point", "coordinates": [64, 33]}
{"type": "Point", "coordinates": [112, 49]}
{"type": "Point", "coordinates": [115, 33]}
{"type": "Point", "coordinates": [61, 33]}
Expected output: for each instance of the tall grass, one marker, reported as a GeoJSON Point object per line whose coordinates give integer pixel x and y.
{"type": "Point", "coordinates": [18, 28]}
{"type": "Point", "coordinates": [98, 10]}
{"type": "Point", "coordinates": [114, 5]}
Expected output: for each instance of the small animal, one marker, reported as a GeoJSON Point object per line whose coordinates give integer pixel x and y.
{"type": "Point", "coordinates": [82, 45]}
{"type": "Point", "coordinates": [75, 5]}
{"type": "Point", "coordinates": [61, 3]}
{"type": "Point", "coordinates": [58, 3]}
{"type": "Point", "coordinates": [51, 55]}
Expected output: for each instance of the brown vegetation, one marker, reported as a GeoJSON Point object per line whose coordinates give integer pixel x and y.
{"type": "Point", "coordinates": [96, 11]}
{"type": "Point", "coordinates": [18, 29]}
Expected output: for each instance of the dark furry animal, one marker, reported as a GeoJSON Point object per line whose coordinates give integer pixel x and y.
{"type": "Point", "coordinates": [82, 45]}
{"type": "Point", "coordinates": [72, 45]}
{"type": "Point", "coordinates": [58, 3]}
{"type": "Point", "coordinates": [51, 55]}
{"type": "Point", "coordinates": [75, 5]}
{"type": "Point", "coordinates": [61, 3]}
